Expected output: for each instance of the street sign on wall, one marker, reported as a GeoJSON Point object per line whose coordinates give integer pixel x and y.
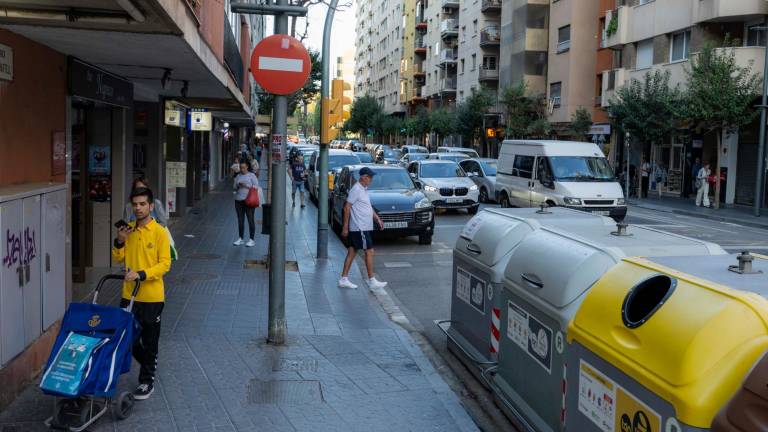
{"type": "Point", "coordinates": [280, 64]}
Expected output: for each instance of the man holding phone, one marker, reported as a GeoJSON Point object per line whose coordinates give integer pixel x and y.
{"type": "Point", "coordinates": [358, 227]}
{"type": "Point", "coordinates": [145, 249]}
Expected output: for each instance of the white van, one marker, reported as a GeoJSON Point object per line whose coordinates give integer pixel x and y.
{"type": "Point", "coordinates": [558, 173]}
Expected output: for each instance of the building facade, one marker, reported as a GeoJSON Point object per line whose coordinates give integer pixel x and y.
{"type": "Point", "coordinates": [103, 92]}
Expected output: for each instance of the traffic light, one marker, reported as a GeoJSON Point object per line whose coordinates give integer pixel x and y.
{"type": "Point", "coordinates": [335, 110]}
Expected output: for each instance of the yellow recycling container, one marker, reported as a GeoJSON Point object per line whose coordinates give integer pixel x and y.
{"type": "Point", "coordinates": [655, 348]}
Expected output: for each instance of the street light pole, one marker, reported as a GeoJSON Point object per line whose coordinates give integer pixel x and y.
{"type": "Point", "coordinates": [760, 181]}
{"type": "Point", "coordinates": [325, 93]}
{"type": "Point", "coordinates": [626, 175]}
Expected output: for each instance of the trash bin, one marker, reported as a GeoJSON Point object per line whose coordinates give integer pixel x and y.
{"type": "Point", "coordinates": [545, 281]}
{"type": "Point", "coordinates": [479, 259]}
{"type": "Point", "coordinates": [661, 344]}
{"type": "Point", "coordinates": [266, 218]}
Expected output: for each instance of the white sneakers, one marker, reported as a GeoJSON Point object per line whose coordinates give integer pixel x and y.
{"type": "Point", "coordinates": [240, 242]}
{"type": "Point", "coordinates": [375, 284]}
{"type": "Point", "coordinates": [344, 282]}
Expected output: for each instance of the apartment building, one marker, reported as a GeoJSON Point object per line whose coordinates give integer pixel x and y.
{"type": "Point", "coordinates": [379, 51]}
{"type": "Point", "coordinates": [523, 52]}
{"type": "Point", "coordinates": [664, 35]}
{"type": "Point", "coordinates": [478, 50]}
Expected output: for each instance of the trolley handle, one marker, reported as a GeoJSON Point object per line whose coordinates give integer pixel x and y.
{"type": "Point", "coordinates": [120, 277]}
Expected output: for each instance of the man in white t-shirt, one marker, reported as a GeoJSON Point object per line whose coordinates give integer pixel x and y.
{"type": "Point", "coordinates": [358, 227]}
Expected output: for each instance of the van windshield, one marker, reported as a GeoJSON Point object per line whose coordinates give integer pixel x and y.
{"type": "Point", "coordinates": [581, 168]}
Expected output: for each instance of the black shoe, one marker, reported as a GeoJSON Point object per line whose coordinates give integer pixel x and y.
{"type": "Point", "coordinates": [302, 206]}
{"type": "Point", "coordinates": [143, 391]}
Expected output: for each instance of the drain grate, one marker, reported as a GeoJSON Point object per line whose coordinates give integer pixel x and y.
{"type": "Point", "coordinates": [204, 256]}
{"type": "Point", "coordinates": [284, 392]}
{"type": "Point", "coordinates": [295, 365]}
{"type": "Point", "coordinates": [198, 277]}
{"type": "Point", "coordinates": [290, 266]}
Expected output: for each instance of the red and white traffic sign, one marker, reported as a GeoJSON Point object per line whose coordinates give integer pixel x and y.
{"type": "Point", "coordinates": [280, 64]}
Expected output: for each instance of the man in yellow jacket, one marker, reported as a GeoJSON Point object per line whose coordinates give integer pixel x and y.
{"type": "Point", "coordinates": [145, 249]}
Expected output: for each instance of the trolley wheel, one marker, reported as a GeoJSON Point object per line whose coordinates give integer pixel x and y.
{"type": "Point", "coordinates": [85, 412]}
{"type": "Point", "coordinates": [124, 405]}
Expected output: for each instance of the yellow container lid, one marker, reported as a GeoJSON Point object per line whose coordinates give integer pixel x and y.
{"type": "Point", "coordinates": [693, 351]}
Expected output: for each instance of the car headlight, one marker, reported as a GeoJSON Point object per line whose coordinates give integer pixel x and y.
{"type": "Point", "coordinates": [572, 201]}
{"type": "Point", "coordinates": [473, 188]}
{"type": "Point", "coordinates": [423, 203]}
{"type": "Point", "coordinates": [621, 201]}
{"type": "Point", "coordinates": [429, 188]}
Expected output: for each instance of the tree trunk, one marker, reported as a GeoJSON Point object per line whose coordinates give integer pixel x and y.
{"type": "Point", "coordinates": [717, 168]}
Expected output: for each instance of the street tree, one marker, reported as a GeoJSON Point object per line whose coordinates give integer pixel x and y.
{"type": "Point", "coordinates": [581, 123]}
{"type": "Point", "coordinates": [364, 116]}
{"type": "Point", "coordinates": [390, 127]}
{"type": "Point", "coordinates": [471, 113]}
{"type": "Point", "coordinates": [720, 96]}
{"type": "Point", "coordinates": [441, 123]}
{"type": "Point", "coordinates": [417, 125]}
{"type": "Point", "coordinates": [525, 113]}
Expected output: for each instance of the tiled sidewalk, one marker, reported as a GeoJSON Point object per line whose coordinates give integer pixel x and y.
{"type": "Point", "coordinates": [738, 215]}
{"type": "Point", "coordinates": [345, 367]}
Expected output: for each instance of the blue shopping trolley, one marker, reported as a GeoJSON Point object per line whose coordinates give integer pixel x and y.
{"type": "Point", "coordinates": [92, 350]}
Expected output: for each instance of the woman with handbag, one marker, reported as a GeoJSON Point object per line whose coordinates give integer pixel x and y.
{"type": "Point", "coordinates": [246, 184]}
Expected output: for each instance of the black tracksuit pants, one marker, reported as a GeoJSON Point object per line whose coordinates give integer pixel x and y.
{"type": "Point", "coordinates": [145, 349]}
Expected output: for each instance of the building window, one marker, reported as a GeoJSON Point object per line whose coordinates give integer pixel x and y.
{"type": "Point", "coordinates": [462, 66]}
{"type": "Point", "coordinates": [679, 49]}
{"type": "Point", "coordinates": [755, 37]}
{"type": "Point", "coordinates": [474, 27]}
{"type": "Point", "coordinates": [474, 61]}
{"type": "Point", "coordinates": [463, 33]}
{"type": "Point", "coordinates": [489, 62]}
{"type": "Point", "coordinates": [644, 54]}
{"type": "Point", "coordinates": [563, 38]}
{"type": "Point", "coordinates": [555, 91]}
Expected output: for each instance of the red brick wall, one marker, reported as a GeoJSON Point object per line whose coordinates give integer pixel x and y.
{"type": "Point", "coordinates": [32, 107]}
{"type": "Point", "coordinates": [212, 26]}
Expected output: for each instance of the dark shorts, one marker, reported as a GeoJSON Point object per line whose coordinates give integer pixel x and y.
{"type": "Point", "coordinates": [360, 240]}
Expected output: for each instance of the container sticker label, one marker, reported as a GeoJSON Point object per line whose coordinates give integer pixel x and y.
{"type": "Point", "coordinates": [530, 335]}
{"type": "Point", "coordinates": [471, 228]}
{"type": "Point", "coordinates": [470, 289]}
{"type": "Point", "coordinates": [610, 406]}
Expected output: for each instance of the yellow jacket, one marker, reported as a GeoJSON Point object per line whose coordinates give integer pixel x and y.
{"type": "Point", "coordinates": [147, 251]}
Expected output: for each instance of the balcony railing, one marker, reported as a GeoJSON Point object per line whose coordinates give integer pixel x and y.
{"type": "Point", "coordinates": [450, 3]}
{"type": "Point", "coordinates": [448, 84]}
{"type": "Point", "coordinates": [232, 54]}
{"type": "Point", "coordinates": [449, 27]}
{"type": "Point", "coordinates": [419, 45]}
{"type": "Point", "coordinates": [564, 46]}
{"type": "Point", "coordinates": [490, 36]}
{"type": "Point", "coordinates": [491, 6]}
{"type": "Point", "coordinates": [488, 75]}
{"type": "Point", "coordinates": [447, 56]}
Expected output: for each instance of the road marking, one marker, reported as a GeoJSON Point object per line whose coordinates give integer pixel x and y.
{"type": "Point", "coordinates": [660, 226]}
{"type": "Point", "coordinates": [397, 264]}
{"type": "Point", "coordinates": [439, 251]}
{"type": "Point", "coordinates": [745, 247]}
{"type": "Point", "coordinates": [444, 263]}
{"type": "Point", "coordinates": [449, 226]}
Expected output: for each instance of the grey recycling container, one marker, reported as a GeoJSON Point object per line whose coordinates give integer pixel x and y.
{"type": "Point", "coordinates": [545, 281]}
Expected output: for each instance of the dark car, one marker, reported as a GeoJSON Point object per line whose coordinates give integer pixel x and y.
{"type": "Point", "coordinates": [387, 155]}
{"type": "Point", "coordinates": [405, 210]}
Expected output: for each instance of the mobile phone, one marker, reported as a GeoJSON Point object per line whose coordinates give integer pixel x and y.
{"type": "Point", "coordinates": [121, 223]}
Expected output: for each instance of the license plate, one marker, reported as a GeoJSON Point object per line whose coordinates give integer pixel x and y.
{"type": "Point", "coordinates": [454, 200]}
{"type": "Point", "coordinates": [601, 212]}
{"type": "Point", "coordinates": [392, 225]}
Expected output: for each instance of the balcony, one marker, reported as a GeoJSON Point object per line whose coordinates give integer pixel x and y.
{"type": "Point", "coordinates": [232, 54]}
{"type": "Point", "coordinates": [448, 85]}
{"type": "Point", "coordinates": [537, 39]}
{"type": "Point", "coordinates": [449, 28]}
{"type": "Point", "coordinates": [537, 84]}
{"type": "Point", "coordinates": [421, 23]}
{"type": "Point", "coordinates": [419, 46]}
{"type": "Point", "coordinates": [677, 72]}
{"type": "Point", "coordinates": [418, 71]}
{"type": "Point", "coordinates": [491, 6]}
{"type": "Point", "coordinates": [448, 56]}
{"type": "Point", "coordinates": [418, 94]}
{"type": "Point", "coordinates": [488, 75]}
{"type": "Point", "coordinates": [612, 80]}
{"type": "Point", "coordinates": [721, 10]}
{"type": "Point", "coordinates": [616, 27]}
{"type": "Point", "coordinates": [490, 37]}
{"type": "Point", "coordinates": [454, 4]}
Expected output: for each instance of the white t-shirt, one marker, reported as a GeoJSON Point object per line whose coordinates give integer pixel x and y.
{"type": "Point", "coordinates": [645, 168]}
{"type": "Point", "coordinates": [361, 213]}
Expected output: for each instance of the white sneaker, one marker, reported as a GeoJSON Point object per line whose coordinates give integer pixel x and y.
{"type": "Point", "coordinates": [238, 242]}
{"type": "Point", "coordinates": [250, 243]}
{"type": "Point", "coordinates": [346, 283]}
{"type": "Point", "coordinates": [375, 284]}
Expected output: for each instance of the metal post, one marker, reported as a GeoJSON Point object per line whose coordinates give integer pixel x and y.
{"type": "Point", "coordinates": [322, 184]}
{"type": "Point", "coordinates": [276, 329]}
{"type": "Point", "coordinates": [626, 175]}
{"type": "Point", "coordinates": [760, 182]}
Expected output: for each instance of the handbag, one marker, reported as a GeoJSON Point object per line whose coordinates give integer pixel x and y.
{"type": "Point", "coordinates": [252, 200]}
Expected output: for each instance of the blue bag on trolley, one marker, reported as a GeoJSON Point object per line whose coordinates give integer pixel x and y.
{"type": "Point", "coordinates": [92, 350]}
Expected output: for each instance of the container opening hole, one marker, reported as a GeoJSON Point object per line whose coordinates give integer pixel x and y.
{"type": "Point", "coordinates": [645, 299]}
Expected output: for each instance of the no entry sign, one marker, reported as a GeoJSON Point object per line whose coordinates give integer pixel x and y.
{"type": "Point", "coordinates": [280, 64]}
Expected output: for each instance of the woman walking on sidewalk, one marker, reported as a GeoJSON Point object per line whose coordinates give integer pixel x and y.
{"type": "Point", "coordinates": [702, 184]}
{"type": "Point", "coordinates": [244, 181]}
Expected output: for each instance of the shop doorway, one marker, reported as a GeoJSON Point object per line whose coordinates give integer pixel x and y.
{"type": "Point", "coordinates": [670, 159]}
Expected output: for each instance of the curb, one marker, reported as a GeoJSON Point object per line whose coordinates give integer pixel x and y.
{"type": "Point", "coordinates": [746, 222]}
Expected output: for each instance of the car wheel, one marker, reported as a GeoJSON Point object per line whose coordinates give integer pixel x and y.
{"type": "Point", "coordinates": [425, 239]}
{"type": "Point", "coordinates": [505, 200]}
{"type": "Point", "coordinates": [473, 210]}
{"type": "Point", "coordinates": [483, 195]}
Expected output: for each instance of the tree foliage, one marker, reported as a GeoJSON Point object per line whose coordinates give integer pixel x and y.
{"type": "Point", "coordinates": [470, 114]}
{"type": "Point", "coordinates": [581, 123]}
{"type": "Point", "coordinates": [526, 114]}
{"type": "Point", "coordinates": [442, 122]}
{"type": "Point", "coordinates": [365, 113]}
{"type": "Point", "coordinates": [307, 93]}
{"type": "Point", "coordinates": [649, 110]}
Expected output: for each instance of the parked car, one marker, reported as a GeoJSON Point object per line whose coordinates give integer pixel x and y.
{"type": "Point", "coordinates": [387, 155]}
{"type": "Point", "coordinates": [467, 151]}
{"type": "Point", "coordinates": [451, 156]}
{"type": "Point", "coordinates": [482, 171]}
{"type": "Point", "coordinates": [410, 157]}
{"type": "Point", "coordinates": [413, 149]}
{"type": "Point", "coordinates": [353, 145]}
{"type": "Point", "coordinates": [364, 157]}
{"type": "Point", "coordinates": [337, 159]}
{"type": "Point", "coordinates": [558, 173]}
{"type": "Point", "coordinates": [445, 184]}
{"type": "Point", "coordinates": [404, 209]}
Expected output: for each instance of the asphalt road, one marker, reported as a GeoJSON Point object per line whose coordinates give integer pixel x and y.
{"type": "Point", "coordinates": [420, 276]}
